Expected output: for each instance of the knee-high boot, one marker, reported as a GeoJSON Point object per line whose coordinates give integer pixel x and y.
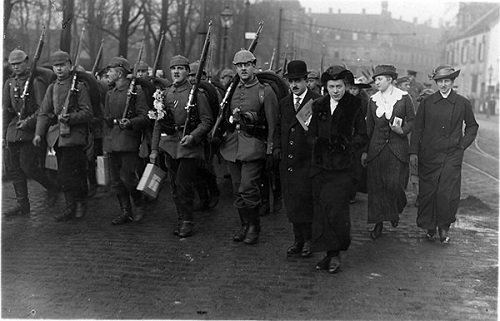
{"type": "Point", "coordinates": [22, 205]}
{"type": "Point", "coordinates": [69, 212]}
{"type": "Point", "coordinates": [126, 210]}
{"type": "Point", "coordinates": [254, 225]}
{"type": "Point", "coordinates": [242, 233]}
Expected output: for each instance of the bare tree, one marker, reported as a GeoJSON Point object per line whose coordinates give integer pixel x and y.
{"type": "Point", "coordinates": [68, 14]}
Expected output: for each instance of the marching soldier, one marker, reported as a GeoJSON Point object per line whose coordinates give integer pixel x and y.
{"type": "Point", "coordinates": [23, 157]}
{"type": "Point", "coordinates": [122, 139]}
{"type": "Point", "coordinates": [69, 147]}
{"type": "Point", "coordinates": [183, 155]}
{"type": "Point", "coordinates": [143, 70]}
{"type": "Point", "coordinates": [249, 141]}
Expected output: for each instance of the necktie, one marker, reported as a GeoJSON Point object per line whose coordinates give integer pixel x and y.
{"type": "Point", "coordinates": [297, 103]}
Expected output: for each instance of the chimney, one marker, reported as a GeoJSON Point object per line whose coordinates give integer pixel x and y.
{"type": "Point", "coordinates": [310, 11]}
{"type": "Point", "coordinates": [415, 20]}
{"type": "Point", "coordinates": [330, 10]}
{"type": "Point", "coordinates": [339, 12]}
{"type": "Point", "coordinates": [385, 6]}
{"type": "Point", "coordinates": [363, 11]}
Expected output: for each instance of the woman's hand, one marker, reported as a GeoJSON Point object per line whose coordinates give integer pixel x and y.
{"type": "Point", "coordinates": [397, 129]}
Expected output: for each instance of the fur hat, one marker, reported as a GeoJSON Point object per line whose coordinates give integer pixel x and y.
{"type": "Point", "coordinates": [337, 73]}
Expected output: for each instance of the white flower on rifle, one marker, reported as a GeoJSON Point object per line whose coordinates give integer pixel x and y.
{"type": "Point", "coordinates": [159, 108]}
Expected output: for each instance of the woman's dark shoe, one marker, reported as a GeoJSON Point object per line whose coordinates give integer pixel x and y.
{"type": "Point", "coordinates": [377, 230]}
{"type": "Point", "coordinates": [395, 223]}
{"type": "Point", "coordinates": [334, 264]}
{"type": "Point", "coordinates": [430, 234]}
{"type": "Point", "coordinates": [443, 235]}
{"type": "Point", "coordinates": [295, 249]}
{"type": "Point", "coordinates": [323, 264]}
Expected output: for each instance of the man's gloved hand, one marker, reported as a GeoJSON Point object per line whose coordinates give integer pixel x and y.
{"type": "Point", "coordinates": [153, 156]}
{"type": "Point", "coordinates": [125, 123]}
{"type": "Point", "coordinates": [414, 160]}
{"type": "Point", "coordinates": [277, 154]}
{"type": "Point", "coordinates": [187, 141]}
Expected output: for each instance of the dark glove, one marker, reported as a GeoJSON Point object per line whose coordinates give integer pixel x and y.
{"type": "Point", "coordinates": [214, 141]}
{"type": "Point", "coordinates": [269, 162]}
{"type": "Point", "coordinates": [277, 154]}
{"type": "Point", "coordinates": [109, 122]}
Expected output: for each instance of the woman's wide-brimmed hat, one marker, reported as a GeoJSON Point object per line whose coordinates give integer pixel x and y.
{"type": "Point", "coordinates": [296, 69]}
{"type": "Point", "coordinates": [444, 71]}
{"type": "Point", "coordinates": [337, 73]}
{"type": "Point", "coordinates": [361, 83]}
{"type": "Point", "coordinates": [387, 70]}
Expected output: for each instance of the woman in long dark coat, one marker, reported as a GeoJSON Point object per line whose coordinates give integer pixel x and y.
{"type": "Point", "coordinates": [336, 131]}
{"type": "Point", "coordinates": [389, 120]}
{"type": "Point", "coordinates": [437, 147]}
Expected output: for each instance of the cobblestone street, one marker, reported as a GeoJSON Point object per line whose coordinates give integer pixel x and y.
{"type": "Point", "coordinates": [91, 269]}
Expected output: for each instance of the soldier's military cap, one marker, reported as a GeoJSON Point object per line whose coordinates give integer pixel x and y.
{"type": "Point", "coordinates": [142, 65]}
{"type": "Point", "coordinates": [243, 56]}
{"type": "Point", "coordinates": [119, 62]}
{"type": "Point", "coordinates": [59, 57]}
{"type": "Point", "coordinates": [17, 56]}
{"type": "Point", "coordinates": [227, 72]}
{"type": "Point", "coordinates": [313, 74]}
{"type": "Point", "coordinates": [179, 61]}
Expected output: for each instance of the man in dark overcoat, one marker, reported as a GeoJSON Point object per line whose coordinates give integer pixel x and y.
{"type": "Point", "coordinates": [437, 146]}
{"type": "Point", "coordinates": [291, 147]}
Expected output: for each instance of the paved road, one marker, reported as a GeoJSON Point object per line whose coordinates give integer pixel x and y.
{"type": "Point", "coordinates": [91, 269]}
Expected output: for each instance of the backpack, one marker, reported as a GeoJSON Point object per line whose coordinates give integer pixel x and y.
{"type": "Point", "coordinates": [277, 83]}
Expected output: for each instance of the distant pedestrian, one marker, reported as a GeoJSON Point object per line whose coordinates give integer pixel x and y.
{"type": "Point", "coordinates": [69, 146]}
{"type": "Point", "coordinates": [437, 147]}
{"type": "Point", "coordinates": [415, 87]}
{"type": "Point", "coordinates": [358, 171]}
{"type": "Point", "coordinates": [19, 124]}
{"type": "Point", "coordinates": [336, 130]}
{"type": "Point", "coordinates": [313, 82]}
{"type": "Point", "coordinates": [294, 154]}
{"type": "Point", "coordinates": [389, 120]}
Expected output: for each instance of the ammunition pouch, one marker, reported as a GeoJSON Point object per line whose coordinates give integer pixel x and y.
{"type": "Point", "coordinates": [250, 123]}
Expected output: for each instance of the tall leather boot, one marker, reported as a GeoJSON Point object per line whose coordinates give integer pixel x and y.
{"type": "Point", "coordinates": [23, 205]}
{"type": "Point", "coordinates": [253, 232]}
{"type": "Point", "coordinates": [81, 207]}
{"type": "Point", "coordinates": [187, 221]}
{"type": "Point", "coordinates": [178, 209]}
{"type": "Point", "coordinates": [69, 212]}
{"type": "Point", "coordinates": [139, 203]}
{"type": "Point", "coordinates": [242, 233]}
{"type": "Point", "coordinates": [126, 210]}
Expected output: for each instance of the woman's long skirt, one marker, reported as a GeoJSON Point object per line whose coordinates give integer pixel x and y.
{"type": "Point", "coordinates": [331, 227]}
{"type": "Point", "coordinates": [387, 179]}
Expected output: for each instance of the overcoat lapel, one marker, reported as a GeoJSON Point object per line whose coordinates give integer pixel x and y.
{"type": "Point", "coordinates": [302, 104]}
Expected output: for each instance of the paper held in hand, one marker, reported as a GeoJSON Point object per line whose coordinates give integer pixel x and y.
{"type": "Point", "coordinates": [397, 122]}
{"type": "Point", "coordinates": [304, 115]}
{"type": "Point", "coordinates": [102, 170]}
{"type": "Point", "coordinates": [151, 180]}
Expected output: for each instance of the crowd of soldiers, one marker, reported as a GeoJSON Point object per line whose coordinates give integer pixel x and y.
{"type": "Point", "coordinates": [133, 122]}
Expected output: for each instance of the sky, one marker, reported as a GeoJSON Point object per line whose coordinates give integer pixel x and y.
{"type": "Point", "coordinates": [423, 10]}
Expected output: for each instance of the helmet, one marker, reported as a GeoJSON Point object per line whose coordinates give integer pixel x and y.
{"type": "Point", "coordinates": [243, 56]}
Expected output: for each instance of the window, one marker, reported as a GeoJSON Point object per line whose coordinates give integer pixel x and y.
{"type": "Point", "coordinates": [474, 83]}
{"type": "Point", "coordinates": [336, 54]}
{"type": "Point", "coordinates": [368, 36]}
{"type": "Point", "coordinates": [337, 36]}
{"type": "Point", "coordinates": [355, 36]}
{"type": "Point", "coordinates": [472, 56]}
{"type": "Point", "coordinates": [480, 50]}
{"type": "Point", "coordinates": [465, 52]}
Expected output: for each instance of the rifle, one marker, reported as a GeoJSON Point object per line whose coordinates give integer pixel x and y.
{"type": "Point", "coordinates": [272, 59]}
{"type": "Point", "coordinates": [64, 128]}
{"type": "Point", "coordinates": [285, 63]}
{"type": "Point", "coordinates": [209, 64]}
{"type": "Point", "coordinates": [24, 96]}
{"type": "Point", "coordinates": [232, 86]}
{"type": "Point", "coordinates": [131, 94]}
{"type": "Point", "coordinates": [98, 58]}
{"type": "Point", "coordinates": [158, 55]}
{"type": "Point", "coordinates": [194, 89]}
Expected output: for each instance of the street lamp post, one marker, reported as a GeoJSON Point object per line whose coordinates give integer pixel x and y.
{"type": "Point", "coordinates": [226, 21]}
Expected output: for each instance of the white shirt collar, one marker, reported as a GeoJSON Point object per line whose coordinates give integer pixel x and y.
{"type": "Point", "coordinates": [445, 95]}
{"type": "Point", "coordinates": [333, 105]}
{"type": "Point", "coordinates": [302, 96]}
